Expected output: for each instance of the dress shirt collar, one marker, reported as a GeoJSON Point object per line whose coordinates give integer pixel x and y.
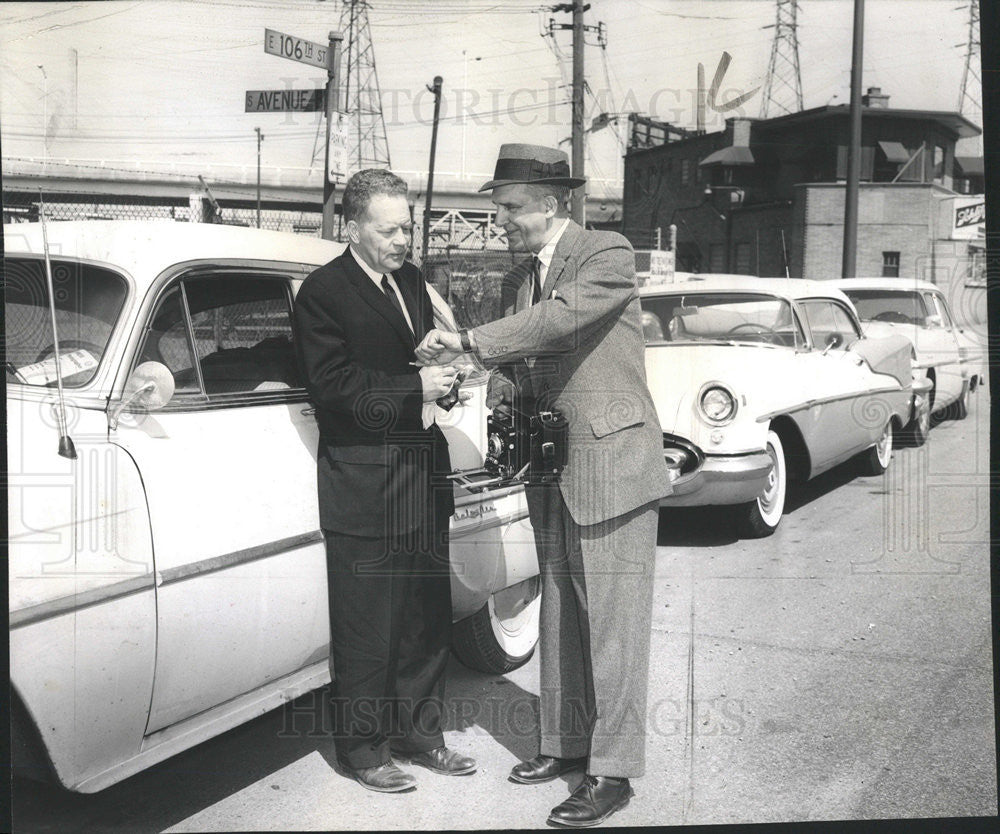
{"type": "Point", "coordinates": [548, 250]}
{"type": "Point", "coordinates": [371, 273]}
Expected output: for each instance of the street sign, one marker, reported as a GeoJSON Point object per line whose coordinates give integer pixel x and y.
{"type": "Point", "coordinates": [339, 158]}
{"type": "Point", "coordinates": [295, 49]}
{"type": "Point", "coordinates": [281, 101]}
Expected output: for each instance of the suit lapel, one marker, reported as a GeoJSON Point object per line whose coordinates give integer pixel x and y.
{"type": "Point", "coordinates": [414, 305]}
{"type": "Point", "coordinates": [561, 257]}
{"type": "Point", "coordinates": [375, 298]}
{"type": "Point", "coordinates": [523, 270]}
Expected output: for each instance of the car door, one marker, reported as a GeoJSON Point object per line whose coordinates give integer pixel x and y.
{"type": "Point", "coordinates": [940, 348]}
{"type": "Point", "coordinates": [228, 467]}
{"type": "Point", "coordinates": [842, 419]}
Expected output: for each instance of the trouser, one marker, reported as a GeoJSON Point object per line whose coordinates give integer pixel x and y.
{"type": "Point", "coordinates": [390, 627]}
{"type": "Point", "coordinates": [596, 611]}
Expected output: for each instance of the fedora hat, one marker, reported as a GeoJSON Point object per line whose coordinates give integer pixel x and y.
{"type": "Point", "coordinates": [522, 164]}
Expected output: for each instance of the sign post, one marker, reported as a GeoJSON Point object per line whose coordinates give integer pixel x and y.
{"type": "Point", "coordinates": [317, 55]}
{"type": "Point", "coordinates": [332, 108]}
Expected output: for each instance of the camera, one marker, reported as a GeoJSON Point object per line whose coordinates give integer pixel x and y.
{"type": "Point", "coordinates": [527, 447]}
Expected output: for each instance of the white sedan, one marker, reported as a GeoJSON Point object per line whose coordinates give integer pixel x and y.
{"type": "Point", "coordinates": [169, 581]}
{"type": "Point", "coordinates": [952, 359]}
{"type": "Point", "coordinates": [760, 380]}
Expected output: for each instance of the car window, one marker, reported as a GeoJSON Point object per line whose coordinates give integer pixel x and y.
{"type": "Point", "coordinates": [893, 306]}
{"type": "Point", "coordinates": [719, 316]}
{"type": "Point", "coordinates": [829, 323]}
{"type": "Point", "coordinates": [88, 301]}
{"type": "Point", "coordinates": [937, 305]}
{"type": "Point", "coordinates": [225, 334]}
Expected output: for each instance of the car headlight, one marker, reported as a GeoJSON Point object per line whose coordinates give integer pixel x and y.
{"type": "Point", "coordinates": [717, 404]}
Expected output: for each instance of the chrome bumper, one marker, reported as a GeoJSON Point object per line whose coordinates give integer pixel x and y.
{"type": "Point", "coordinates": [721, 479]}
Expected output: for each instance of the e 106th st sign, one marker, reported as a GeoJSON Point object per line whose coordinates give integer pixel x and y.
{"type": "Point", "coordinates": [280, 101]}
{"type": "Point", "coordinates": [295, 49]}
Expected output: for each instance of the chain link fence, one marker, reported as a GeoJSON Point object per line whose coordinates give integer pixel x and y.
{"type": "Point", "coordinates": [23, 207]}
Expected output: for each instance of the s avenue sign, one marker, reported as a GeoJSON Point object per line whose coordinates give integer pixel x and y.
{"type": "Point", "coordinates": [279, 101]}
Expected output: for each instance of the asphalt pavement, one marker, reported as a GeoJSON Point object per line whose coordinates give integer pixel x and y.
{"type": "Point", "coordinates": [841, 669]}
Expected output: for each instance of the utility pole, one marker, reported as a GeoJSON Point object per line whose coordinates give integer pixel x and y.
{"type": "Point", "coordinates": [850, 256]}
{"type": "Point", "coordinates": [260, 139]}
{"type": "Point", "coordinates": [578, 208]}
{"type": "Point", "coordinates": [332, 106]}
{"type": "Point", "coordinates": [577, 7]}
{"type": "Point", "coordinates": [436, 89]}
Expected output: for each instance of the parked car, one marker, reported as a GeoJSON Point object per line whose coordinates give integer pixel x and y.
{"type": "Point", "coordinates": [951, 358]}
{"type": "Point", "coordinates": [758, 381]}
{"type": "Point", "coordinates": [169, 582]}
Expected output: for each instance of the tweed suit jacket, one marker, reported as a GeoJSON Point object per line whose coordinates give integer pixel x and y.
{"type": "Point", "coordinates": [582, 351]}
{"type": "Point", "coordinates": [379, 471]}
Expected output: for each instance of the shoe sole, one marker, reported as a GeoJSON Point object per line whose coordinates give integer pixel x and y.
{"type": "Point", "coordinates": [589, 823]}
{"type": "Point", "coordinates": [400, 757]}
{"type": "Point", "coordinates": [522, 781]}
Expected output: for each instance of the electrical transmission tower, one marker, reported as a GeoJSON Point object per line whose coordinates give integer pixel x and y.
{"type": "Point", "coordinates": [360, 95]}
{"type": "Point", "coordinates": [783, 88]}
{"type": "Point", "coordinates": [970, 99]}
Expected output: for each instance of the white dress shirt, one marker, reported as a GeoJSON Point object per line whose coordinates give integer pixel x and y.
{"type": "Point", "coordinates": [547, 251]}
{"type": "Point", "coordinates": [377, 279]}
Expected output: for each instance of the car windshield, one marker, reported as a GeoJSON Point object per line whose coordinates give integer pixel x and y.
{"type": "Point", "coordinates": [896, 306]}
{"type": "Point", "coordinates": [88, 302]}
{"type": "Point", "coordinates": [719, 316]}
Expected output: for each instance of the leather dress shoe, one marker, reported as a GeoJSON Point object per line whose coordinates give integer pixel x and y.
{"type": "Point", "coordinates": [384, 778]}
{"type": "Point", "coordinates": [544, 769]}
{"type": "Point", "coordinates": [440, 760]}
{"type": "Point", "coordinates": [596, 799]}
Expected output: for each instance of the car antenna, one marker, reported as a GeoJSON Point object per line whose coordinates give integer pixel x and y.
{"type": "Point", "coordinates": [66, 447]}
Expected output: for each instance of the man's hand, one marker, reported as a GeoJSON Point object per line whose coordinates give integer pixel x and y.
{"type": "Point", "coordinates": [500, 395]}
{"type": "Point", "coordinates": [437, 381]}
{"type": "Point", "coordinates": [439, 346]}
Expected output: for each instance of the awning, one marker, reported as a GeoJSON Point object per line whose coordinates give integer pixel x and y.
{"type": "Point", "coordinates": [894, 152]}
{"type": "Point", "coordinates": [970, 166]}
{"type": "Point", "coordinates": [733, 155]}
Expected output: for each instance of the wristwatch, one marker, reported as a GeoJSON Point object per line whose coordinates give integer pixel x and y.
{"type": "Point", "coordinates": [466, 341]}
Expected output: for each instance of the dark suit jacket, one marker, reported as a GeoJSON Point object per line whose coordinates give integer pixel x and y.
{"type": "Point", "coordinates": [379, 471]}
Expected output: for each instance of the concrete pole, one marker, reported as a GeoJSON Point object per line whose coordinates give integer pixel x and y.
{"type": "Point", "coordinates": [436, 89]}
{"type": "Point", "coordinates": [578, 211]}
{"type": "Point", "coordinates": [259, 140]}
{"type": "Point", "coordinates": [332, 106]}
{"type": "Point", "coordinates": [850, 256]}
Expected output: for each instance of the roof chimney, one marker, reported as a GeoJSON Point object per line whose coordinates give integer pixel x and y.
{"type": "Point", "coordinates": [875, 98]}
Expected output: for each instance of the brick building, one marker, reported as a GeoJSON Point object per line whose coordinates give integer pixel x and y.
{"type": "Point", "coordinates": [766, 196]}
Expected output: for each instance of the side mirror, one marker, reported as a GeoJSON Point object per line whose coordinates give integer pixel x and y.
{"type": "Point", "coordinates": [934, 321]}
{"type": "Point", "coordinates": [832, 342]}
{"type": "Point", "coordinates": [150, 385]}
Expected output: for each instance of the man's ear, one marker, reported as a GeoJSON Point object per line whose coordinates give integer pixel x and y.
{"type": "Point", "coordinates": [551, 205]}
{"type": "Point", "coordinates": [353, 232]}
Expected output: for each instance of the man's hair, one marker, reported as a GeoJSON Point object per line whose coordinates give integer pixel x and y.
{"type": "Point", "coordinates": [364, 185]}
{"type": "Point", "coordinates": [560, 192]}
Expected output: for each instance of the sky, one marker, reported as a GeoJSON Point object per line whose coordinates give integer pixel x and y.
{"type": "Point", "coordinates": [161, 83]}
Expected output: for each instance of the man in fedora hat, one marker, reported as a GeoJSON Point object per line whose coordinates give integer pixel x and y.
{"type": "Point", "coordinates": [571, 340]}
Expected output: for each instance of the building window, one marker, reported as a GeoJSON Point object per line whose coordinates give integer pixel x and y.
{"type": "Point", "coordinates": [938, 172]}
{"type": "Point", "coordinates": [716, 258]}
{"type": "Point", "coordinates": [743, 259]}
{"type": "Point", "coordinates": [890, 264]}
{"type": "Point", "coordinates": [685, 171]}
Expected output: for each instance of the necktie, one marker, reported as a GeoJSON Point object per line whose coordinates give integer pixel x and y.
{"type": "Point", "coordinates": [536, 281]}
{"type": "Point", "coordinates": [390, 293]}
